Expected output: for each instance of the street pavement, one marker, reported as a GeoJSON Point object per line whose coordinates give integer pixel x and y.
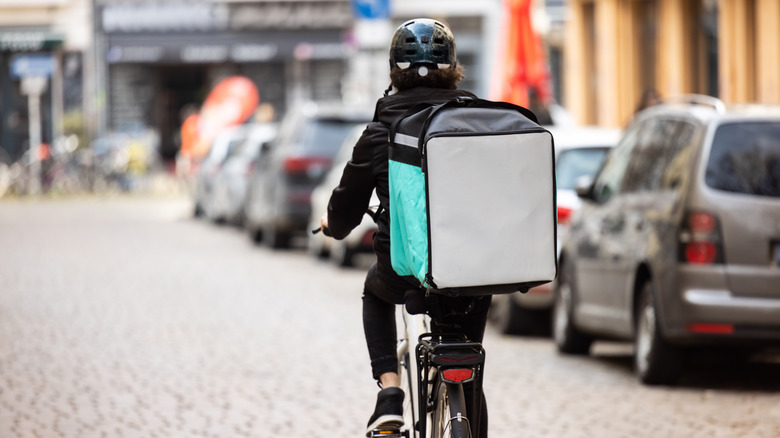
{"type": "Point", "coordinates": [126, 317]}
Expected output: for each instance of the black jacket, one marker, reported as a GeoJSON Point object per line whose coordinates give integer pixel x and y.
{"type": "Point", "coordinates": [368, 170]}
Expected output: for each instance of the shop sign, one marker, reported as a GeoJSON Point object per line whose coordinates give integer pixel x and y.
{"type": "Point", "coordinates": [372, 9]}
{"type": "Point", "coordinates": [245, 47]}
{"type": "Point", "coordinates": [235, 16]}
{"type": "Point", "coordinates": [29, 41]}
{"type": "Point", "coordinates": [27, 66]}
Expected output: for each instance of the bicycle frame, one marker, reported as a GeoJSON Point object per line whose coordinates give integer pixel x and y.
{"type": "Point", "coordinates": [414, 327]}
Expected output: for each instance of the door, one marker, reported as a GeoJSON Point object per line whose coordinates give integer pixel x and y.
{"type": "Point", "coordinates": [648, 194]}
{"type": "Point", "coordinates": [596, 237]}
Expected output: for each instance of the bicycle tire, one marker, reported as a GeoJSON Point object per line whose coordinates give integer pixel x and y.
{"type": "Point", "coordinates": [449, 416]}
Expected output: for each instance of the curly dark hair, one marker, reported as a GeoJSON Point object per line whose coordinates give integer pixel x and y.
{"type": "Point", "coordinates": [447, 78]}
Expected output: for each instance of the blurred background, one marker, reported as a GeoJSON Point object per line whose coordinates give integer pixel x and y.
{"type": "Point", "coordinates": [104, 86]}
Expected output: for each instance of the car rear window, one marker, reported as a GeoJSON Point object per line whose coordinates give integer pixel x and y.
{"type": "Point", "coordinates": [323, 136]}
{"type": "Point", "coordinates": [745, 158]}
{"type": "Point", "coordinates": [572, 164]}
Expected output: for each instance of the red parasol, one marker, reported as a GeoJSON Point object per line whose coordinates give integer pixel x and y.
{"type": "Point", "coordinates": [522, 64]}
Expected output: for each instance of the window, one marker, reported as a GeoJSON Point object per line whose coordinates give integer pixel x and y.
{"type": "Point", "coordinates": [609, 179]}
{"type": "Point", "coordinates": [745, 158]}
{"type": "Point", "coordinates": [658, 161]}
{"type": "Point", "coordinates": [572, 164]}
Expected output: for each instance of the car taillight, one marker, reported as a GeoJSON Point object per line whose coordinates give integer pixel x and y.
{"type": "Point", "coordinates": [564, 215]}
{"type": "Point", "coordinates": [700, 240]}
{"type": "Point", "coordinates": [312, 166]}
{"type": "Point", "coordinates": [368, 238]}
{"type": "Point", "coordinates": [249, 168]}
{"type": "Point", "coordinates": [716, 329]}
{"type": "Point", "coordinates": [457, 375]}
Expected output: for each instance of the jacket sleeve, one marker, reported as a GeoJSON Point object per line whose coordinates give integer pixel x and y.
{"type": "Point", "coordinates": [349, 201]}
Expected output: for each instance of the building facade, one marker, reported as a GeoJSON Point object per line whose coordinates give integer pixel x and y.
{"type": "Point", "coordinates": [38, 38]}
{"type": "Point", "coordinates": [616, 49]}
{"type": "Point", "coordinates": [161, 58]}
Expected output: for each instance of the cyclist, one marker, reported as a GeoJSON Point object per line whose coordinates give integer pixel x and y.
{"type": "Point", "coordinates": [423, 69]}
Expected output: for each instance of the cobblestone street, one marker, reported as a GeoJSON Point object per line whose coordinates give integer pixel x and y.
{"type": "Point", "coordinates": [126, 317]}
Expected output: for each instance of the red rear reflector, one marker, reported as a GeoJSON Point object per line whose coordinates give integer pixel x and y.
{"type": "Point", "coordinates": [457, 375]}
{"type": "Point", "coordinates": [564, 214]}
{"type": "Point", "coordinates": [700, 253]}
{"type": "Point", "coordinates": [721, 329]}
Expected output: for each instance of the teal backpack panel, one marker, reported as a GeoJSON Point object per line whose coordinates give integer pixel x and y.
{"type": "Point", "coordinates": [408, 224]}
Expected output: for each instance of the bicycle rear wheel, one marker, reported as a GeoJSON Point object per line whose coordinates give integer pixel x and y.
{"type": "Point", "coordinates": [449, 416]}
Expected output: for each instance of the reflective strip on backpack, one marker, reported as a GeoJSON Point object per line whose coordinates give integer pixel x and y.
{"type": "Point", "coordinates": [406, 140]}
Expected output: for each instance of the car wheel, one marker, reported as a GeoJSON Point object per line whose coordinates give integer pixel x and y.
{"type": "Point", "coordinates": [509, 318]}
{"type": "Point", "coordinates": [342, 254]}
{"type": "Point", "coordinates": [256, 234]}
{"type": "Point", "coordinates": [276, 239]}
{"type": "Point", "coordinates": [568, 339]}
{"type": "Point", "coordinates": [656, 361]}
{"type": "Point", "coordinates": [317, 248]}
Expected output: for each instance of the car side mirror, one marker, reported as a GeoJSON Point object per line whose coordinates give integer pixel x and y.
{"type": "Point", "coordinates": [584, 187]}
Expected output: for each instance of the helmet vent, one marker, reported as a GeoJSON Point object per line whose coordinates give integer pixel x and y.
{"type": "Point", "coordinates": [436, 53]}
{"type": "Point", "coordinates": [410, 40]}
{"type": "Point", "coordinates": [438, 41]}
{"type": "Point", "coordinates": [411, 52]}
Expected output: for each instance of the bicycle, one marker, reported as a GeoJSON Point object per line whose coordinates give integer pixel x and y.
{"type": "Point", "coordinates": [435, 369]}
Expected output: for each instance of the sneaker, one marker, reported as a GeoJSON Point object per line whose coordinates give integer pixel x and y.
{"type": "Point", "coordinates": [389, 412]}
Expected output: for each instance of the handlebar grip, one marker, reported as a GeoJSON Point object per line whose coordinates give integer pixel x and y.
{"type": "Point", "coordinates": [325, 231]}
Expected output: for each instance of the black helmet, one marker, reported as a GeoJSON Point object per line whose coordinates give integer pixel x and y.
{"type": "Point", "coordinates": [423, 41]}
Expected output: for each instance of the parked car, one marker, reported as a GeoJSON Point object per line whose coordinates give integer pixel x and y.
{"type": "Point", "coordinates": [232, 178]}
{"type": "Point", "coordinates": [361, 239]}
{"type": "Point", "coordinates": [677, 244]}
{"type": "Point", "coordinates": [579, 152]}
{"type": "Point", "coordinates": [210, 166]}
{"type": "Point", "coordinates": [279, 197]}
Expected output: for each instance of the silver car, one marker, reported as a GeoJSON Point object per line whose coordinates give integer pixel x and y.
{"type": "Point", "coordinates": [678, 241]}
{"type": "Point", "coordinates": [230, 182]}
{"type": "Point", "coordinates": [579, 152]}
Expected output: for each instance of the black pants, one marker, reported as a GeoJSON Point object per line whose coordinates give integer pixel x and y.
{"type": "Point", "coordinates": [380, 296]}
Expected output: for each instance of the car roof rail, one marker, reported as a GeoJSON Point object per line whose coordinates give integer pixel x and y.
{"type": "Point", "coordinates": [696, 99]}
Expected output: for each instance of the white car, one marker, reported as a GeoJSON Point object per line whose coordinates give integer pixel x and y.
{"type": "Point", "coordinates": [361, 239]}
{"type": "Point", "coordinates": [210, 166]}
{"type": "Point", "coordinates": [579, 152]}
{"type": "Point", "coordinates": [231, 180]}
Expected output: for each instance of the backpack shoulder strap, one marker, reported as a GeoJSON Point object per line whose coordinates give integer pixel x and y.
{"type": "Point", "coordinates": [413, 110]}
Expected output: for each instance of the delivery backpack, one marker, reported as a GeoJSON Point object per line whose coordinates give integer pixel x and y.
{"type": "Point", "coordinates": [472, 198]}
